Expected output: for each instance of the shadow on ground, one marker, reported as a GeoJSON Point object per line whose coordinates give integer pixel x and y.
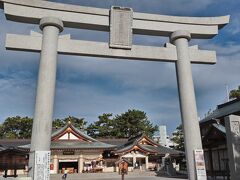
{"type": "Point", "coordinates": [165, 175]}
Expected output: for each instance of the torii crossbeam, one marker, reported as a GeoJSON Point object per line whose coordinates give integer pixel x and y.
{"type": "Point", "coordinates": [121, 23]}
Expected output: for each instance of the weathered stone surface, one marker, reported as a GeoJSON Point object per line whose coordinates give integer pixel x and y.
{"type": "Point", "coordinates": [100, 49]}
{"type": "Point", "coordinates": [121, 28]}
{"type": "Point", "coordinates": [42, 122]}
{"type": "Point", "coordinates": [232, 124]}
{"type": "Point", "coordinates": [181, 30]}
{"type": "Point", "coordinates": [98, 19]}
{"type": "Point", "coordinates": [187, 99]}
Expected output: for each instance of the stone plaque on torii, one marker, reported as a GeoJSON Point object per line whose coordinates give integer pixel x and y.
{"type": "Point", "coordinates": [122, 23]}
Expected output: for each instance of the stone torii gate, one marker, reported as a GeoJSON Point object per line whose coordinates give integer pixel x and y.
{"type": "Point", "coordinates": [122, 23]}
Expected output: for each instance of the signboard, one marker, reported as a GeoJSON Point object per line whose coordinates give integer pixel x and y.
{"type": "Point", "coordinates": [121, 27]}
{"type": "Point", "coordinates": [200, 164]}
{"type": "Point", "coordinates": [123, 167]}
{"type": "Point", "coordinates": [42, 165]}
{"type": "Point", "coordinates": [68, 152]}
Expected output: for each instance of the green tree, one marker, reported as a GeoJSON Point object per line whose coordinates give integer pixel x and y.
{"type": "Point", "coordinates": [103, 127]}
{"type": "Point", "coordinates": [16, 127]}
{"type": "Point", "coordinates": [21, 127]}
{"type": "Point", "coordinates": [132, 123]}
{"type": "Point", "coordinates": [235, 93]}
{"type": "Point", "coordinates": [58, 123]}
{"type": "Point", "coordinates": [77, 122]}
{"type": "Point", "coordinates": [178, 138]}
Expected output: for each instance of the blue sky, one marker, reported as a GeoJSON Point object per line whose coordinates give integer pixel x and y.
{"type": "Point", "coordinates": [88, 87]}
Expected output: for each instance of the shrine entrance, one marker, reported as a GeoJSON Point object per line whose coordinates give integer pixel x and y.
{"type": "Point", "coordinates": [70, 165]}
{"type": "Point", "coordinates": [122, 23]}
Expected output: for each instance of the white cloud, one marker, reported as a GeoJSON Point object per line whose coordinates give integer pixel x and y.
{"type": "Point", "coordinates": [211, 81]}
{"type": "Point", "coordinates": [149, 86]}
{"type": "Point", "coordinates": [149, 6]}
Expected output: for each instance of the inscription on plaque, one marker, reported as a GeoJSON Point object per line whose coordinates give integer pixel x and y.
{"type": "Point", "coordinates": [121, 28]}
{"type": "Point", "coordinates": [235, 128]}
{"type": "Point", "coordinates": [68, 152]}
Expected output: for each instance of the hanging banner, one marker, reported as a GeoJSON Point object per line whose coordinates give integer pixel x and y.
{"type": "Point", "coordinates": [42, 165]}
{"type": "Point", "coordinates": [200, 164]}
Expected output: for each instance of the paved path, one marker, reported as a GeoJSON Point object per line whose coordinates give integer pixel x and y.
{"type": "Point", "coordinates": [113, 176]}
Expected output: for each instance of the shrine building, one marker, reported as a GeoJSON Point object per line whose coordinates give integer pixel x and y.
{"type": "Point", "coordinates": [74, 150]}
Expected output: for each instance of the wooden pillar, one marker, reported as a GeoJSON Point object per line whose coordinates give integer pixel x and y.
{"type": "Point", "coordinates": [55, 164]}
{"type": "Point", "coordinates": [5, 173]}
{"type": "Point", "coordinates": [146, 162]}
{"type": "Point", "coordinates": [211, 161]}
{"type": "Point", "coordinates": [80, 164]}
{"type": "Point", "coordinates": [134, 160]}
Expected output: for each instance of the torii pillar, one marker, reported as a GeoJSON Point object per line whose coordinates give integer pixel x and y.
{"type": "Point", "coordinates": [187, 99]}
{"type": "Point", "coordinates": [42, 123]}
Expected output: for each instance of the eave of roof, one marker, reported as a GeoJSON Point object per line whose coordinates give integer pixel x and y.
{"type": "Point", "coordinates": [113, 141]}
{"type": "Point", "coordinates": [77, 131]}
{"type": "Point", "coordinates": [220, 127]}
{"type": "Point", "coordinates": [223, 110]}
{"type": "Point", "coordinates": [13, 150]}
{"type": "Point", "coordinates": [215, 136]}
{"type": "Point", "coordinates": [138, 139]}
{"type": "Point", "coordinates": [74, 144]}
{"type": "Point", "coordinates": [155, 148]}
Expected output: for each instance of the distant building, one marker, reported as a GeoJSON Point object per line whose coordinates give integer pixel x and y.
{"type": "Point", "coordinates": [162, 138]}
{"type": "Point", "coordinates": [163, 135]}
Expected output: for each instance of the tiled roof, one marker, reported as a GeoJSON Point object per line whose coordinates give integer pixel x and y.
{"type": "Point", "coordinates": [12, 150]}
{"type": "Point", "coordinates": [154, 148]}
{"type": "Point", "coordinates": [78, 131]}
{"type": "Point", "coordinates": [162, 150]}
{"type": "Point", "coordinates": [86, 143]}
{"type": "Point", "coordinates": [83, 134]}
{"type": "Point", "coordinates": [74, 144]}
{"type": "Point", "coordinates": [124, 148]}
{"type": "Point", "coordinates": [56, 131]}
{"type": "Point", "coordinates": [113, 141]}
{"type": "Point", "coordinates": [14, 142]}
{"type": "Point", "coordinates": [231, 107]}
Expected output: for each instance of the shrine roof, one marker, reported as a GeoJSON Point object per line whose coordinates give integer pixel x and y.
{"type": "Point", "coordinates": [222, 110]}
{"type": "Point", "coordinates": [163, 150]}
{"type": "Point", "coordinates": [76, 130]}
{"type": "Point", "coordinates": [113, 141]}
{"type": "Point", "coordinates": [74, 144]}
{"type": "Point", "coordinates": [145, 144]}
{"type": "Point", "coordinates": [12, 150]}
{"type": "Point", "coordinates": [13, 142]}
{"type": "Point", "coordinates": [71, 137]}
